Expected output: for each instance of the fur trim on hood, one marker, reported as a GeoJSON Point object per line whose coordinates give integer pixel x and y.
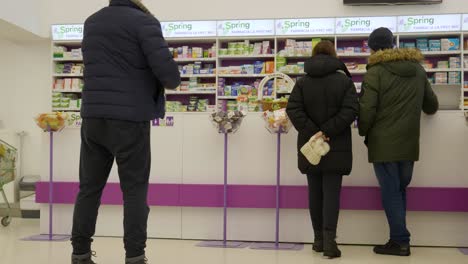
{"type": "Point", "coordinates": [394, 55]}
{"type": "Point", "coordinates": [140, 5]}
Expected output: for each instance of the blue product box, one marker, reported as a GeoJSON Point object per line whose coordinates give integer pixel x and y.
{"type": "Point", "coordinates": [435, 45]}
{"type": "Point", "coordinates": [450, 44]}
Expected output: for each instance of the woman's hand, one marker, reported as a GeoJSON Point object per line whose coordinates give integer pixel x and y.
{"type": "Point", "coordinates": [320, 134]}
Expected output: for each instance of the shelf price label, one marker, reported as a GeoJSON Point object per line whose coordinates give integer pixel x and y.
{"type": "Point", "coordinates": [231, 28]}
{"type": "Point", "coordinates": [67, 32]}
{"type": "Point", "coordinates": [465, 22]}
{"type": "Point", "coordinates": [435, 23]}
{"type": "Point", "coordinates": [363, 25]}
{"type": "Point", "coordinates": [314, 26]}
{"type": "Point", "coordinates": [189, 29]}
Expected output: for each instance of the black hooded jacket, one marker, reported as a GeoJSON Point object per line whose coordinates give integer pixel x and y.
{"type": "Point", "coordinates": [127, 64]}
{"type": "Point", "coordinates": [325, 100]}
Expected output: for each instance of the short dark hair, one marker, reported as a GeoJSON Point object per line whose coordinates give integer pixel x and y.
{"type": "Point", "coordinates": [324, 47]}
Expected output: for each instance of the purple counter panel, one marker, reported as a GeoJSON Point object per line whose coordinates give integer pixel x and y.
{"type": "Point", "coordinates": [259, 196]}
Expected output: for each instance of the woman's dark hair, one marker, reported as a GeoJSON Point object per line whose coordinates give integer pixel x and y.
{"type": "Point", "coordinates": [324, 47]}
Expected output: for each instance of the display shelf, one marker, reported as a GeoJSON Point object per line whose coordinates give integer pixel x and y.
{"type": "Point", "coordinates": [441, 53]}
{"type": "Point", "coordinates": [67, 91]}
{"type": "Point", "coordinates": [227, 97]}
{"type": "Point", "coordinates": [358, 72]}
{"type": "Point", "coordinates": [67, 75]}
{"type": "Point", "coordinates": [195, 59]}
{"type": "Point", "coordinates": [187, 113]}
{"type": "Point", "coordinates": [68, 60]}
{"type": "Point", "coordinates": [198, 75]}
{"type": "Point", "coordinates": [299, 57]}
{"type": "Point", "coordinates": [456, 85]}
{"type": "Point", "coordinates": [70, 109]}
{"type": "Point", "coordinates": [67, 42]}
{"type": "Point", "coordinates": [242, 75]}
{"type": "Point", "coordinates": [444, 70]}
{"type": "Point", "coordinates": [244, 57]}
{"type": "Point", "coordinates": [211, 91]}
{"type": "Point", "coordinates": [354, 55]}
{"type": "Point", "coordinates": [295, 73]}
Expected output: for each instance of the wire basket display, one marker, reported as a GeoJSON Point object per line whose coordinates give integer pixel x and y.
{"type": "Point", "coordinates": [274, 115]}
{"type": "Point", "coordinates": [51, 122]}
{"type": "Point", "coordinates": [7, 163]}
{"type": "Point", "coordinates": [227, 122]}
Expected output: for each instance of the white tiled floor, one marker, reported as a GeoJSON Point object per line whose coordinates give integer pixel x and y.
{"type": "Point", "coordinates": [109, 250]}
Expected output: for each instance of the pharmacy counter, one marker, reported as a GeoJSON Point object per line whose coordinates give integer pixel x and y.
{"type": "Point", "coordinates": [187, 173]}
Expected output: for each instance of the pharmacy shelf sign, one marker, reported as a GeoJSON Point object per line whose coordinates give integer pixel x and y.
{"type": "Point", "coordinates": [166, 122]}
{"type": "Point", "coordinates": [189, 29]}
{"type": "Point", "coordinates": [363, 25]}
{"type": "Point", "coordinates": [233, 28]}
{"type": "Point", "coordinates": [434, 23]}
{"type": "Point", "coordinates": [313, 26]}
{"type": "Point", "coordinates": [67, 32]}
{"type": "Point", "coordinates": [465, 22]}
{"type": "Point", "coordinates": [74, 120]}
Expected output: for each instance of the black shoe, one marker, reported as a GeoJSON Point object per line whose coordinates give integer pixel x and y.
{"type": "Point", "coordinates": [393, 248]}
{"type": "Point", "coordinates": [137, 260]}
{"type": "Point", "coordinates": [330, 248]}
{"type": "Point", "coordinates": [318, 241]}
{"type": "Point", "coordinates": [83, 259]}
{"type": "Point", "coordinates": [318, 245]}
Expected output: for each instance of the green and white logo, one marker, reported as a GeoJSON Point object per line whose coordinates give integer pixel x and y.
{"type": "Point", "coordinates": [67, 32]}
{"type": "Point", "coordinates": [356, 22]}
{"type": "Point", "coordinates": [415, 21]}
{"type": "Point", "coordinates": [172, 27]}
{"type": "Point", "coordinates": [231, 26]}
{"type": "Point", "coordinates": [288, 25]}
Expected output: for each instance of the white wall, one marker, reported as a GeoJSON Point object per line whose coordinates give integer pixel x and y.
{"type": "Point", "coordinates": [72, 11]}
{"type": "Point", "coordinates": [25, 68]}
{"type": "Point", "coordinates": [24, 13]}
{"type": "Point", "coordinates": [24, 91]}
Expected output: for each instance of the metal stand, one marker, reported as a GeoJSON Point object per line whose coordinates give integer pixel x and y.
{"type": "Point", "coordinates": [50, 236]}
{"type": "Point", "coordinates": [277, 245]}
{"type": "Point", "coordinates": [224, 243]}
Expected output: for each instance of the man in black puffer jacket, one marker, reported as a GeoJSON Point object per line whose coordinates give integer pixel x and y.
{"type": "Point", "coordinates": [127, 66]}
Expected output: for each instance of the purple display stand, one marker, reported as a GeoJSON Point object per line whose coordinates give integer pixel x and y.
{"type": "Point", "coordinates": [277, 245]}
{"type": "Point", "coordinates": [50, 236]}
{"type": "Point", "coordinates": [224, 243]}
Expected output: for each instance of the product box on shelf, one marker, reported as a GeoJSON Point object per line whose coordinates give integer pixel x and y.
{"type": "Point", "coordinates": [454, 77]}
{"type": "Point", "coordinates": [435, 45]}
{"type": "Point", "coordinates": [246, 48]}
{"type": "Point", "coordinates": [186, 52]}
{"type": "Point", "coordinates": [450, 44]}
{"type": "Point", "coordinates": [441, 77]}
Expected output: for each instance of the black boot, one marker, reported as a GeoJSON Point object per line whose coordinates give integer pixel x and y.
{"type": "Point", "coordinates": [330, 248]}
{"type": "Point", "coordinates": [393, 248]}
{"type": "Point", "coordinates": [137, 260]}
{"type": "Point", "coordinates": [318, 241]}
{"type": "Point", "coordinates": [83, 259]}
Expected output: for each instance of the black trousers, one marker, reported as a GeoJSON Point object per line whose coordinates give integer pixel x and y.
{"type": "Point", "coordinates": [102, 142]}
{"type": "Point", "coordinates": [324, 201]}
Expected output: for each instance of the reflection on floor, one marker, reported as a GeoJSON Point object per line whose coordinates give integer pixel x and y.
{"type": "Point", "coordinates": [110, 250]}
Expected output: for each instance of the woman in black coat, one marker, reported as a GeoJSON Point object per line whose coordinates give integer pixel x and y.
{"type": "Point", "coordinates": [325, 101]}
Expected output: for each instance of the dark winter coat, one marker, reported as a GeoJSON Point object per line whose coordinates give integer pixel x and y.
{"type": "Point", "coordinates": [127, 64]}
{"type": "Point", "coordinates": [395, 91]}
{"type": "Point", "coordinates": [325, 100]}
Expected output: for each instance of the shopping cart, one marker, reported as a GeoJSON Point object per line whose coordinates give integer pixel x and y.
{"type": "Point", "coordinates": [7, 174]}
